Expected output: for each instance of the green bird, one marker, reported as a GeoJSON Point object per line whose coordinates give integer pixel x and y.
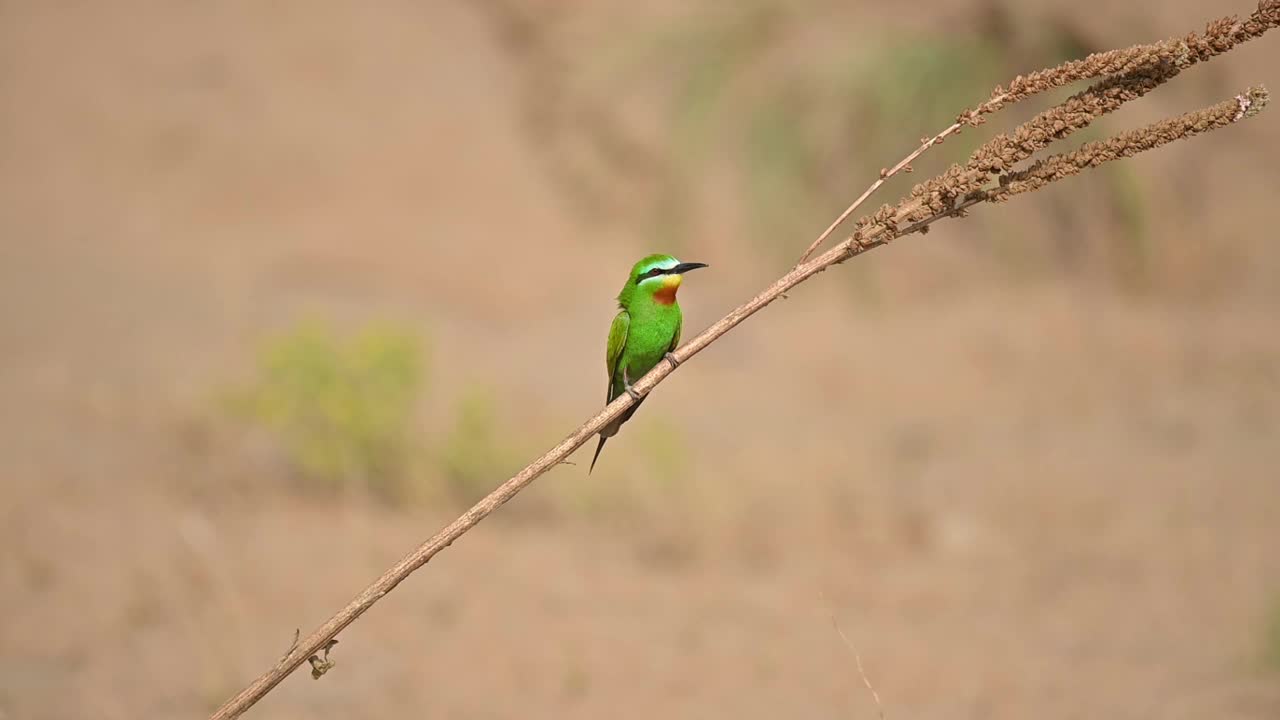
{"type": "Point", "coordinates": [645, 331]}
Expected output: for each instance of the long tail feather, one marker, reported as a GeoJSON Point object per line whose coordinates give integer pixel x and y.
{"type": "Point", "coordinates": [597, 455]}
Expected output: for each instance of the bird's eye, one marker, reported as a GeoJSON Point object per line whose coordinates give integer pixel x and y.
{"type": "Point", "coordinates": [654, 272]}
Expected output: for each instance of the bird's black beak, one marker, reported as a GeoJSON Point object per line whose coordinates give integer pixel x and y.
{"type": "Point", "coordinates": [685, 267]}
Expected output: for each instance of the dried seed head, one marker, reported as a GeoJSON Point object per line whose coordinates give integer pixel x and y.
{"type": "Point", "coordinates": [1002, 152]}
{"type": "Point", "coordinates": [1129, 74]}
{"type": "Point", "coordinates": [1057, 167]}
{"type": "Point", "coordinates": [1218, 37]}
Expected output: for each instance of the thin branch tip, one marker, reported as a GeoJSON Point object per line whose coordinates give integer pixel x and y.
{"type": "Point", "coordinates": [1252, 102]}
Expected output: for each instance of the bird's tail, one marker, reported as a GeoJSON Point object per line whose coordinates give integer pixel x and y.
{"type": "Point", "coordinates": [595, 457]}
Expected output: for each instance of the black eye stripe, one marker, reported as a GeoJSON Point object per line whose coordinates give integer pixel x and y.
{"type": "Point", "coordinates": [654, 272]}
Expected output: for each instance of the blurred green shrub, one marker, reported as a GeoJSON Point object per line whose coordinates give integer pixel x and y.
{"type": "Point", "coordinates": [473, 457]}
{"type": "Point", "coordinates": [1271, 638]}
{"type": "Point", "coordinates": [638, 481]}
{"type": "Point", "coordinates": [666, 451]}
{"type": "Point", "coordinates": [759, 93]}
{"type": "Point", "coordinates": [803, 135]}
{"type": "Point", "coordinates": [341, 409]}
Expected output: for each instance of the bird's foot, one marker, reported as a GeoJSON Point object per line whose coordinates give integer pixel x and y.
{"type": "Point", "coordinates": [671, 359]}
{"type": "Point", "coordinates": [626, 385]}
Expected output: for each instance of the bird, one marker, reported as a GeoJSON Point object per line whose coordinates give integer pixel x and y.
{"type": "Point", "coordinates": [644, 332]}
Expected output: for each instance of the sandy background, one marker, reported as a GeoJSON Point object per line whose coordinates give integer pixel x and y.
{"type": "Point", "coordinates": [1024, 491]}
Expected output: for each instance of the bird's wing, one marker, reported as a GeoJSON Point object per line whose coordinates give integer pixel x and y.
{"type": "Point", "coordinates": [617, 341]}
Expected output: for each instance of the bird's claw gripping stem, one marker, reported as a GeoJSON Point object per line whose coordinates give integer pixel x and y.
{"type": "Point", "coordinates": [626, 385]}
{"type": "Point", "coordinates": [671, 359]}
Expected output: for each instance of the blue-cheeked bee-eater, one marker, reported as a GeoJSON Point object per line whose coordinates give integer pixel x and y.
{"type": "Point", "coordinates": [644, 332]}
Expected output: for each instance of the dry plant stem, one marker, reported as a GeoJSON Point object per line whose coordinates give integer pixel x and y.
{"type": "Point", "coordinates": [924, 209]}
{"type": "Point", "coordinates": [921, 214]}
{"type": "Point", "coordinates": [1057, 167]}
{"type": "Point", "coordinates": [1146, 65]}
{"type": "Point", "coordinates": [316, 641]}
{"type": "Point", "coordinates": [857, 658]}
{"type": "Point", "coordinates": [945, 196]}
{"type": "Point", "coordinates": [1224, 113]}
{"type": "Point", "coordinates": [884, 176]}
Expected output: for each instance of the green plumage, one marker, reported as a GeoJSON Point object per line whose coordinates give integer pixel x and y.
{"type": "Point", "coordinates": [646, 328]}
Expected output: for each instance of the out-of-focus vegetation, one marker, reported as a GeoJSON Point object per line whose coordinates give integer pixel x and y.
{"type": "Point", "coordinates": [473, 458]}
{"type": "Point", "coordinates": [341, 409]}
{"type": "Point", "coordinates": [735, 101]}
{"type": "Point", "coordinates": [1271, 638]}
{"type": "Point", "coordinates": [810, 133]}
{"type": "Point", "coordinates": [641, 477]}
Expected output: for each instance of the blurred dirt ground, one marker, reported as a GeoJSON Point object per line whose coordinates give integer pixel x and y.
{"type": "Point", "coordinates": [1038, 499]}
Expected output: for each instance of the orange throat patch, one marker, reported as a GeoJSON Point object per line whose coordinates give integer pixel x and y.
{"type": "Point", "coordinates": [666, 294]}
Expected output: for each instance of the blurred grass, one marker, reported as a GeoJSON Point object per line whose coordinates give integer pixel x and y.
{"type": "Point", "coordinates": [641, 474]}
{"type": "Point", "coordinates": [340, 409]}
{"type": "Point", "coordinates": [751, 113]}
{"type": "Point", "coordinates": [809, 135]}
{"type": "Point", "coordinates": [1271, 638]}
{"type": "Point", "coordinates": [474, 458]}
